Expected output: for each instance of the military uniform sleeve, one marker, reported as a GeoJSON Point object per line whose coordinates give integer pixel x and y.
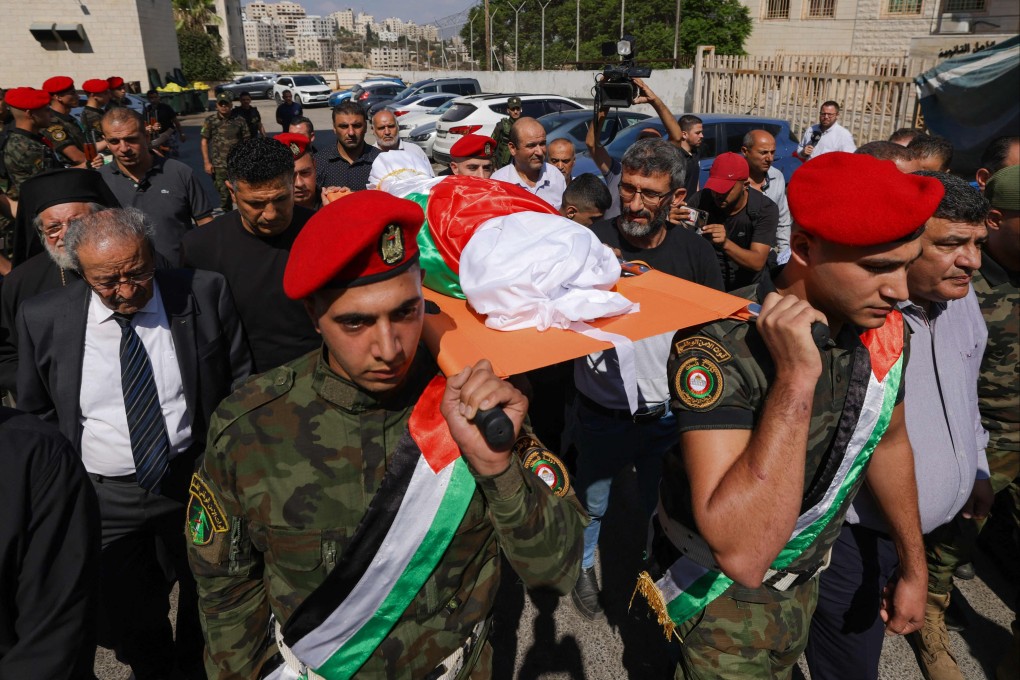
{"type": "Point", "coordinates": [538, 527]}
{"type": "Point", "coordinates": [58, 137]}
{"type": "Point", "coordinates": [207, 128]}
{"type": "Point", "coordinates": [714, 380]}
{"type": "Point", "coordinates": [233, 606]}
{"type": "Point", "coordinates": [23, 160]}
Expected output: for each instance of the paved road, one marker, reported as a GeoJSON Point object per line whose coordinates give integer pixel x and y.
{"type": "Point", "coordinates": [540, 636]}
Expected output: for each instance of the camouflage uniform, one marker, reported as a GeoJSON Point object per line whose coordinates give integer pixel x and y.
{"type": "Point", "coordinates": [26, 154]}
{"type": "Point", "coordinates": [750, 632]}
{"type": "Point", "coordinates": [222, 134]}
{"type": "Point", "coordinates": [90, 121]}
{"type": "Point", "coordinates": [501, 135]}
{"type": "Point", "coordinates": [293, 459]}
{"type": "Point", "coordinates": [251, 117]}
{"type": "Point", "coordinates": [63, 132]}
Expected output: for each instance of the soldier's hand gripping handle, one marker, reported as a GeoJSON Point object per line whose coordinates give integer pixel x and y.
{"type": "Point", "coordinates": [793, 331]}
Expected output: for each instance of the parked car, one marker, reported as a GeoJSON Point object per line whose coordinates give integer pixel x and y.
{"type": "Point", "coordinates": [479, 114]}
{"type": "Point", "coordinates": [337, 97]}
{"type": "Point", "coordinates": [370, 94]}
{"type": "Point", "coordinates": [573, 126]}
{"type": "Point", "coordinates": [424, 136]}
{"type": "Point", "coordinates": [723, 132]}
{"type": "Point", "coordinates": [420, 103]}
{"type": "Point", "coordinates": [406, 124]}
{"type": "Point", "coordinates": [461, 86]}
{"type": "Point", "coordinates": [308, 90]}
{"type": "Point", "coordinates": [257, 85]}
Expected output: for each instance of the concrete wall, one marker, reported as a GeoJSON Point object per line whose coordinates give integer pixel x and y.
{"type": "Point", "coordinates": [123, 37]}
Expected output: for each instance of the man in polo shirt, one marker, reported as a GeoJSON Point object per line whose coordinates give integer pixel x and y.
{"type": "Point", "coordinates": [164, 189]}
{"type": "Point", "coordinates": [350, 162]}
{"type": "Point", "coordinates": [472, 156]}
{"type": "Point", "coordinates": [529, 169]}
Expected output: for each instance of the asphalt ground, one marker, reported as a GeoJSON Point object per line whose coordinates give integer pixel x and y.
{"type": "Point", "coordinates": [539, 635]}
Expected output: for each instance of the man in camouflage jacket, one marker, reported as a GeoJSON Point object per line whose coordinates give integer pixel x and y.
{"type": "Point", "coordinates": [220, 133]}
{"type": "Point", "coordinates": [296, 456]}
{"type": "Point", "coordinates": [501, 133]}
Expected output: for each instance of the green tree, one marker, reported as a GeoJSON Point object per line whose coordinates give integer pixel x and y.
{"type": "Point", "coordinates": [723, 23]}
{"type": "Point", "coordinates": [195, 15]}
{"type": "Point", "coordinates": [200, 56]}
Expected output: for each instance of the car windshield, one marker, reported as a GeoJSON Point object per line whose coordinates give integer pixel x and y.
{"type": "Point", "coordinates": [305, 81]}
{"type": "Point", "coordinates": [554, 120]}
{"type": "Point", "coordinates": [442, 108]}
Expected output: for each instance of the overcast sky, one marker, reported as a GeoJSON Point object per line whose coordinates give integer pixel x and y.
{"type": "Point", "coordinates": [419, 12]}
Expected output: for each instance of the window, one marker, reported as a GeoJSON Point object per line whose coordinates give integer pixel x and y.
{"type": "Point", "coordinates": [907, 7]}
{"type": "Point", "coordinates": [777, 9]}
{"type": "Point", "coordinates": [821, 9]}
{"type": "Point", "coordinates": [965, 5]}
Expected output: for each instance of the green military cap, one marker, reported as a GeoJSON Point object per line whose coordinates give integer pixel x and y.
{"type": "Point", "coordinates": [513, 103]}
{"type": "Point", "coordinates": [224, 98]}
{"type": "Point", "coordinates": [1003, 189]}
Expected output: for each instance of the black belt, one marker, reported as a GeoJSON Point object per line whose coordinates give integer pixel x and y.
{"type": "Point", "coordinates": [645, 416]}
{"type": "Point", "coordinates": [127, 479]}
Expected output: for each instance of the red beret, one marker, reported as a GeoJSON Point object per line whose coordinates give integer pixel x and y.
{"type": "Point", "coordinates": [727, 169]}
{"type": "Point", "coordinates": [473, 146]}
{"type": "Point", "coordinates": [95, 86]}
{"type": "Point", "coordinates": [114, 82]}
{"type": "Point", "coordinates": [358, 239]}
{"type": "Point", "coordinates": [27, 98]}
{"type": "Point", "coordinates": [858, 200]}
{"type": "Point", "coordinates": [58, 84]}
{"type": "Point", "coordinates": [298, 143]}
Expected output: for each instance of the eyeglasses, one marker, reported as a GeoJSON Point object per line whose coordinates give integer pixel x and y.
{"type": "Point", "coordinates": [135, 281]}
{"type": "Point", "coordinates": [650, 198]}
{"type": "Point", "coordinates": [52, 231]}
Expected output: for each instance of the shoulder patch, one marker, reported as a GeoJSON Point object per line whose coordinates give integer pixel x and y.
{"type": "Point", "coordinates": [698, 383]}
{"type": "Point", "coordinates": [57, 133]}
{"type": "Point", "coordinates": [543, 463]}
{"type": "Point", "coordinates": [701, 344]}
{"type": "Point", "coordinates": [205, 516]}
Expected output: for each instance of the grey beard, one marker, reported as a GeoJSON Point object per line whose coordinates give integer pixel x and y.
{"type": "Point", "coordinates": [638, 230]}
{"type": "Point", "coordinates": [59, 257]}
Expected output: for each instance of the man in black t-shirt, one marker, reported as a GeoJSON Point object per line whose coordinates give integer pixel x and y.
{"type": "Point", "coordinates": [741, 224]}
{"type": "Point", "coordinates": [250, 246]}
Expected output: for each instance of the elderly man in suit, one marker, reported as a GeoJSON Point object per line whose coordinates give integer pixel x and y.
{"type": "Point", "coordinates": [129, 362]}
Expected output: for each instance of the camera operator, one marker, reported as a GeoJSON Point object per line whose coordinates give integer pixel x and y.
{"type": "Point", "coordinates": [741, 224]}
{"type": "Point", "coordinates": [611, 168]}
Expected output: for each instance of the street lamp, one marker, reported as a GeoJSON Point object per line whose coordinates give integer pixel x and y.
{"type": "Point", "coordinates": [517, 16]}
{"type": "Point", "coordinates": [543, 31]}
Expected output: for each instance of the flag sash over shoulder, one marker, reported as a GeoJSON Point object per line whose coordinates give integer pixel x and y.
{"type": "Point", "coordinates": [400, 540]}
{"type": "Point", "coordinates": [687, 587]}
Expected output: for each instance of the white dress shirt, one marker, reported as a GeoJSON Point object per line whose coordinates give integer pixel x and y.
{"type": "Point", "coordinates": [105, 440]}
{"type": "Point", "coordinates": [411, 148]}
{"type": "Point", "coordinates": [549, 187]}
{"type": "Point", "coordinates": [836, 138]}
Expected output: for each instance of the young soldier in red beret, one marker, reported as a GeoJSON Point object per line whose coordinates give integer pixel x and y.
{"type": "Point", "coordinates": [305, 193]}
{"type": "Point", "coordinates": [781, 423]}
{"type": "Point", "coordinates": [26, 152]}
{"type": "Point", "coordinates": [118, 93]}
{"type": "Point", "coordinates": [64, 133]}
{"type": "Point", "coordinates": [472, 155]}
{"type": "Point", "coordinates": [98, 91]}
{"type": "Point", "coordinates": [345, 494]}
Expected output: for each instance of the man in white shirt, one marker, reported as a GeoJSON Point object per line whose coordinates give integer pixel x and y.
{"type": "Point", "coordinates": [529, 169]}
{"type": "Point", "coordinates": [129, 362]}
{"type": "Point", "coordinates": [827, 135]}
{"type": "Point", "coordinates": [387, 136]}
{"type": "Point", "coordinates": [759, 148]}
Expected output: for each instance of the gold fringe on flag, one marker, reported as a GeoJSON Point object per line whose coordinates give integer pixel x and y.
{"type": "Point", "coordinates": [646, 587]}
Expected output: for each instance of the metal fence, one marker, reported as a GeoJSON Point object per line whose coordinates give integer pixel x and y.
{"type": "Point", "coordinates": [876, 94]}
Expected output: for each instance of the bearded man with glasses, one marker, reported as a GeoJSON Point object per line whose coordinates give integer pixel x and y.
{"type": "Point", "coordinates": [610, 436]}
{"type": "Point", "coordinates": [129, 362]}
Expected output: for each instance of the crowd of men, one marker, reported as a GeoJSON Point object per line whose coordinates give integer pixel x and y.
{"type": "Point", "coordinates": [237, 401]}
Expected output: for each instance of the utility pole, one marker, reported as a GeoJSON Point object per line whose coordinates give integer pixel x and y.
{"type": "Point", "coordinates": [676, 34]}
{"type": "Point", "coordinates": [488, 38]}
{"type": "Point", "coordinates": [489, 42]}
{"type": "Point", "coordinates": [517, 16]}
{"type": "Point", "coordinates": [577, 38]}
{"type": "Point", "coordinates": [543, 31]}
{"type": "Point", "coordinates": [472, 41]}
{"type": "Point", "coordinates": [623, 8]}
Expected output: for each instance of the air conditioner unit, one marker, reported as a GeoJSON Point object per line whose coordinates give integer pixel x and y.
{"type": "Point", "coordinates": [951, 24]}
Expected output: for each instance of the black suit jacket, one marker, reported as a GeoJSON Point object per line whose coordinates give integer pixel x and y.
{"type": "Point", "coordinates": [211, 349]}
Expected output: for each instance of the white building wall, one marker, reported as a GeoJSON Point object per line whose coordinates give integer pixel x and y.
{"type": "Point", "coordinates": [123, 37]}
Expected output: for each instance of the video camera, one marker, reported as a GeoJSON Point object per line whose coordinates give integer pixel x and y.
{"type": "Point", "coordinates": [616, 86]}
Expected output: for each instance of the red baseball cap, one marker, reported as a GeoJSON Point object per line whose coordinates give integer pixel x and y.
{"type": "Point", "coordinates": [727, 169]}
{"type": "Point", "coordinates": [473, 146]}
{"type": "Point", "coordinates": [27, 98]}
{"type": "Point", "coordinates": [58, 84]}
{"type": "Point", "coordinates": [859, 200]}
{"type": "Point", "coordinates": [298, 143]}
{"type": "Point", "coordinates": [95, 86]}
{"type": "Point", "coordinates": [361, 238]}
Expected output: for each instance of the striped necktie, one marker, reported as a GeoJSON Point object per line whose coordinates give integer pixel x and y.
{"type": "Point", "coordinates": [150, 445]}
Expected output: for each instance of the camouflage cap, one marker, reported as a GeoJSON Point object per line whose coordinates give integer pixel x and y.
{"type": "Point", "coordinates": [224, 98]}
{"type": "Point", "coordinates": [1003, 189]}
{"type": "Point", "coordinates": [513, 103]}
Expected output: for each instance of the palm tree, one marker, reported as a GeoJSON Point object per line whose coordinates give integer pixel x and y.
{"type": "Point", "coordinates": [195, 15]}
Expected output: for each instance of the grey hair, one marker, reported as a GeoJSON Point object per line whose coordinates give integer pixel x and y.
{"type": "Point", "coordinates": [656, 157]}
{"type": "Point", "coordinates": [37, 220]}
{"type": "Point", "coordinates": [105, 226]}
